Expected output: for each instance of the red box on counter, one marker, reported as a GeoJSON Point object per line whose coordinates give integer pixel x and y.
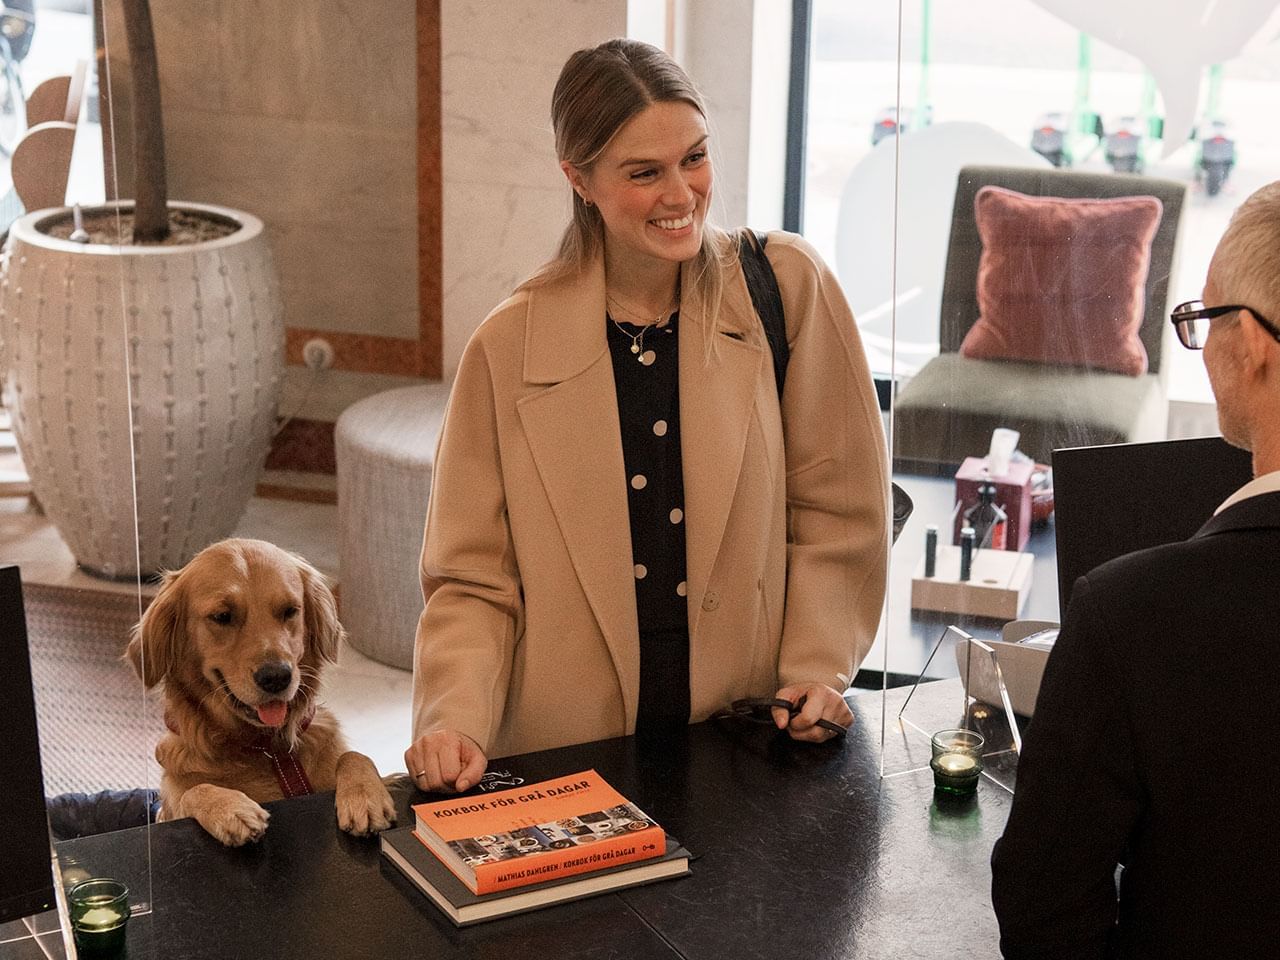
{"type": "Point", "coordinates": [1013, 496]}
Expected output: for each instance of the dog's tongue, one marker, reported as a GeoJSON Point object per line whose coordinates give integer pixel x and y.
{"type": "Point", "coordinates": [273, 712]}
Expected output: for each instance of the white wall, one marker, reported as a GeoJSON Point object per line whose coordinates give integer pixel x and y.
{"type": "Point", "coordinates": [505, 200]}
{"type": "Point", "coordinates": [714, 45]}
{"type": "Point", "coordinates": [738, 53]}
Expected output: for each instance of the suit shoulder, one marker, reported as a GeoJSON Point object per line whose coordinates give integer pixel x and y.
{"type": "Point", "coordinates": [1161, 574]}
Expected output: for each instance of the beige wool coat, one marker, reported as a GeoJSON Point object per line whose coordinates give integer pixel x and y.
{"type": "Point", "coordinates": [529, 636]}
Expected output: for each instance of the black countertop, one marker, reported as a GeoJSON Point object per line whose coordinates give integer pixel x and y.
{"type": "Point", "coordinates": [801, 851]}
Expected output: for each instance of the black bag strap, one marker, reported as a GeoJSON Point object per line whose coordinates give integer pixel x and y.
{"type": "Point", "coordinates": [762, 284]}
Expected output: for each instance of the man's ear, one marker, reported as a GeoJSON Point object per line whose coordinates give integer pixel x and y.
{"type": "Point", "coordinates": [1260, 347]}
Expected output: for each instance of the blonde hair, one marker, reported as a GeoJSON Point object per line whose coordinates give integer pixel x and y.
{"type": "Point", "coordinates": [600, 89]}
{"type": "Point", "coordinates": [1246, 264]}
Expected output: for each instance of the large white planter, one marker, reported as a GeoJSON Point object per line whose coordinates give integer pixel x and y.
{"type": "Point", "coordinates": [141, 376]}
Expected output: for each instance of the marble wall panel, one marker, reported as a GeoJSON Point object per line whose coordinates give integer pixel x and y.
{"type": "Point", "coordinates": [495, 237]}
{"type": "Point", "coordinates": [505, 201]}
{"type": "Point", "coordinates": [306, 116]}
{"type": "Point", "coordinates": [343, 61]}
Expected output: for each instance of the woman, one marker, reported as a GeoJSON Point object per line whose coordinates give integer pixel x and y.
{"type": "Point", "coordinates": [618, 538]}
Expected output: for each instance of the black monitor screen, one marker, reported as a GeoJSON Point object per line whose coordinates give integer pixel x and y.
{"type": "Point", "coordinates": [1112, 500]}
{"type": "Point", "coordinates": [26, 879]}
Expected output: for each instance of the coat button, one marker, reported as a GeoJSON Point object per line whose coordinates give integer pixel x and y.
{"type": "Point", "coordinates": [711, 601]}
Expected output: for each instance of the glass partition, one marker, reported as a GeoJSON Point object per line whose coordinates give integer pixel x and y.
{"type": "Point", "coordinates": [67, 503]}
{"type": "Point", "coordinates": [156, 403]}
{"type": "Point", "coordinates": [1014, 194]}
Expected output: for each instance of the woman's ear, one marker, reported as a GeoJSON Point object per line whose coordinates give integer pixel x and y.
{"type": "Point", "coordinates": [576, 180]}
{"type": "Point", "coordinates": [319, 613]}
{"type": "Point", "coordinates": [154, 642]}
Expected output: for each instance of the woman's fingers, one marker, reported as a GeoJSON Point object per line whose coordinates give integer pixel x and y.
{"type": "Point", "coordinates": [820, 709]}
{"type": "Point", "coordinates": [445, 761]}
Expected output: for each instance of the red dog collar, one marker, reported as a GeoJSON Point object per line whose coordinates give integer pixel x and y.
{"type": "Point", "coordinates": [289, 773]}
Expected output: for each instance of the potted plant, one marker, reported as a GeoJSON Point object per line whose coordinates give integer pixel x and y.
{"type": "Point", "coordinates": [141, 355]}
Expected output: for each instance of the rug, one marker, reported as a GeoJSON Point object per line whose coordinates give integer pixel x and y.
{"type": "Point", "coordinates": [98, 729]}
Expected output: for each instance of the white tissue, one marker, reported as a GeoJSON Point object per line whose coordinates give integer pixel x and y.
{"type": "Point", "coordinates": [1003, 442]}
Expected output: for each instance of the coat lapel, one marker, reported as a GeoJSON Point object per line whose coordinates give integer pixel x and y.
{"type": "Point", "coordinates": [573, 433]}
{"type": "Point", "coordinates": [716, 406]}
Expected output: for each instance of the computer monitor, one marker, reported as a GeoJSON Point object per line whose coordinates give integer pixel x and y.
{"type": "Point", "coordinates": [1115, 499]}
{"type": "Point", "coordinates": [26, 881]}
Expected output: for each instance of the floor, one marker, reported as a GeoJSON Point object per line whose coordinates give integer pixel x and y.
{"type": "Point", "coordinates": [370, 699]}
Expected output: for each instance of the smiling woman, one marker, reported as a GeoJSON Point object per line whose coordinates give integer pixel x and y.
{"type": "Point", "coordinates": [618, 538]}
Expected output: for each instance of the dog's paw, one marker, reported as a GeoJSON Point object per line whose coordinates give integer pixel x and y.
{"type": "Point", "coordinates": [363, 804]}
{"type": "Point", "coordinates": [229, 815]}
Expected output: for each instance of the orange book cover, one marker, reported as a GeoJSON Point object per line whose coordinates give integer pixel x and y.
{"type": "Point", "coordinates": [539, 831]}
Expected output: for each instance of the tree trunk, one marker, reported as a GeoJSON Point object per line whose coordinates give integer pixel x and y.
{"type": "Point", "coordinates": [150, 191]}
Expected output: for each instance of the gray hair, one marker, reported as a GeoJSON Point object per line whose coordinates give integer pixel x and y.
{"type": "Point", "coordinates": [1246, 264]}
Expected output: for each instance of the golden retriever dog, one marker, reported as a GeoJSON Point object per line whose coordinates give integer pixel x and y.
{"type": "Point", "coordinates": [239, 636]}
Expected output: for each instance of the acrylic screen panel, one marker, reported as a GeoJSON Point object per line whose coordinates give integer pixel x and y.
{"type": "Point", "coordinates": [1115, 499]}
{"type": "Point", "coordinates": [26, 882]}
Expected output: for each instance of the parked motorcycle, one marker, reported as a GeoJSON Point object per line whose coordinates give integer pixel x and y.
{"type": "Point", "coordinates": [1217, 156]}
{"type": "Point", "coordinates": [889, 122]}
{"type": "Point", "coordinates": [1124, 145]}
{"type": "Point", "coordinates": [1049, 139]}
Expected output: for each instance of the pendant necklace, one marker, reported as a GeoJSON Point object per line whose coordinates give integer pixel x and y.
{"type": "Point", "coordinates": [637, 340]}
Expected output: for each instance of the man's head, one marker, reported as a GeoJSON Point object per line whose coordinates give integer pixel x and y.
{"type": "Point", "coordinates": [1241, 355]}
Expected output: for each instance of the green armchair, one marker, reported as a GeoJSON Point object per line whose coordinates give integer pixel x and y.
{"type": "Point", "coordinates": [948, 410]}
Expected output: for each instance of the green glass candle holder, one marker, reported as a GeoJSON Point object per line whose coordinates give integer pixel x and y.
{"type": "Point", "coordinates": [99, 915]}
{"type": "Point", "coordinates": [957, 762]}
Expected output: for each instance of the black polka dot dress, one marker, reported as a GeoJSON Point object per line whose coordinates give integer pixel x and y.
{"type": "Point", "coordinates": [648, 387]}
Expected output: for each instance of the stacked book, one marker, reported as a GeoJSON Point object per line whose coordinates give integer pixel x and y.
{"type": "Point", "coordinates": [482, 857]}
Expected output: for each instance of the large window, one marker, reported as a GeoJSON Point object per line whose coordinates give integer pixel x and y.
{"type": "Point", "coordinates": [915, 110]}
{"type": "Point", "coordinates": [1011, 66]}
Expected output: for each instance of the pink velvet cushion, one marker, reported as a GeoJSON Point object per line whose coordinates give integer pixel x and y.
{"type": "Point", "coordinates": [1062, 281]}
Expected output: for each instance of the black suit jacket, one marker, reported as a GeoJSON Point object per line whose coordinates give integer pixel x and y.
{"type": "Point", "coordinates": [1156, 743]}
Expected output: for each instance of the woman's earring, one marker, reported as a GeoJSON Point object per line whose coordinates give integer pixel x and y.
{"type": "Point", "coordinates": [586, 201]}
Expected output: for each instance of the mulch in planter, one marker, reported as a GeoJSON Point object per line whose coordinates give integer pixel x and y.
{"type": "Point", "coordinates": [111, 227]}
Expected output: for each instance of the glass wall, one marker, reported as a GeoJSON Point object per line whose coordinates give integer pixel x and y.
{"type": "Point", "coordinates": [981, 175]}
{"type": "Point", "coordinates": [66, 459]}
{"type": "Point", "coordinates": [144, 379]}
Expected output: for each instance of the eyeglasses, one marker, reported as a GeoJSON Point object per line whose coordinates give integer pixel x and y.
{"type": "Point", "coordinates": [1191, 320]}
{"type": "Point", "coordinates": [760, 710]}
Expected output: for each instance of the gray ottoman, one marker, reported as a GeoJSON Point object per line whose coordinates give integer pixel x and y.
{"type": "Point", "coordinates": [385, 447]}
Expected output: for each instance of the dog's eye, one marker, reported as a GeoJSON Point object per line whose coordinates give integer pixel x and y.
{"type": "Point", "coordinates": [222, 617]}
{"type": "Point", "coordinates": [288, 613]}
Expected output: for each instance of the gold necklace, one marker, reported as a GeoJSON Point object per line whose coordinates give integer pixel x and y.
{"type": "Point", "coordinates": [637, 340]}
{"type": "Point", "coordinates": [638, 320]}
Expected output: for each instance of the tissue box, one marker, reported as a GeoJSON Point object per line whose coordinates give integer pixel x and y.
{"type": "Point", "coordinates": [1013, 496]}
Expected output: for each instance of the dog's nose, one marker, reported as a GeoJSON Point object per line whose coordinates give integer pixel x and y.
{"type": "Point", "coordinates": [273, 677]}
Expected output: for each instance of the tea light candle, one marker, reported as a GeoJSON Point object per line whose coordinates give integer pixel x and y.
{"type": "Point", "coordinates": [957, 762]}
{"type": "Point", "coordinates": [99, 914]}
{"type": "Point", "coordinates": [958, 765]}
{"type": "Point", "coordinates": [100, 918]}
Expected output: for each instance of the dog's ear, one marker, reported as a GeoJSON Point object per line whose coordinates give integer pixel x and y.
{"type": "Point", "coordinates": [154, 642]}
{"type": "Point", "coordinates": [320, 613]}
